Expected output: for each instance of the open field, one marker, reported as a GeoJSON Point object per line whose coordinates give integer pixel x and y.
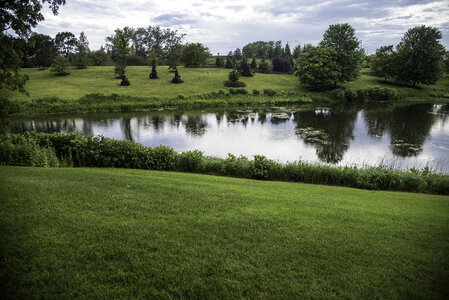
{"type": "Point", "coordinates": [108, 233]}
{"type": "Point", "coordinates": [197, 81]}
{"type": "Point", "coordinates": [102, 80]}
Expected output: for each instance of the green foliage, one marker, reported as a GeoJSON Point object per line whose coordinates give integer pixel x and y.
{"type": "Point", "coordinates": [264, 66]}
{"type": "Point", "coordinates": [238, 54]}
{"type": "Point", "coordinates": [76, 150]}
{"type": "Point", "coordinates": [81, 59]}
{"type": "Point", "coordinates": [99, 57]}
{"type": "Point", "coordinates": [60, 66]}
{"type": "Point", "coordinates": [18, 17]}
{"type": "Point", "coordinates": [219, 61]}
{"type": "Point", "coordinates": [384, 62]}
{"type": "Point", "coordinates": [269, 92]}
{"type": "Point", "coordinates": [420, 56]}
{"type": "Point", "coordinates": [256, 92]}
{"type": "Point", "coordinates": [238, 91]}
{"type": "Point", "coordinates": [348, 55]}
{"type": "Point", "coordinates": [121, 47]}
{"type": "Point", "coordinates": [318, 67]}
{"type": "Point", "coordinates": [234, 75]}
{"type": "Point", "coordinates": [254, 63]}
{"type": "Point", "coordinates": [194, 55]}
{"type": "Point", "coordinates": [229, 64]}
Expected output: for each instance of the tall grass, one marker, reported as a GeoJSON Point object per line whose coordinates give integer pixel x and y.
{"type": "Point", "coordinates": [73, 149]}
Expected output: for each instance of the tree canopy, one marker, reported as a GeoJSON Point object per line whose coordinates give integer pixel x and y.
{"type": "Point", "coordinates": [194, 55]}
{"type": "Point", "coordinates": [318, 67]}
{"type": "Point", "coordinates": [420, 56]}
{"type": "Point", "coordinates": [121, 46]}
{"type": "Point", "coordinates": [18, 17]}
{"type": "Point", "coordinates": [349, 56]}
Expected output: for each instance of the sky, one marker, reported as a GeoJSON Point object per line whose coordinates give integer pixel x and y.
{"type": "Point", "coordinates": [224, 25]}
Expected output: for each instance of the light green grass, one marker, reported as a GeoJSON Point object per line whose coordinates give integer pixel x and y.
{"type": "Point", "coordinates": [102, 80]}
{"type": "Point", "coordinates": [115, 233]}
{"type": "Point", "coordinates": [197, 81]}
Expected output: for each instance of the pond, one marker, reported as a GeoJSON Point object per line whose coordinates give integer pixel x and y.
{"type": "Point", "coordinates": [401, 136]}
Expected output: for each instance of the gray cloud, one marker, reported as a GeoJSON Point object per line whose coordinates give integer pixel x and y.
{"type": "Point", "coordinates": [224, 25]}
{"type": "Point", "coordinates": [174, 19]}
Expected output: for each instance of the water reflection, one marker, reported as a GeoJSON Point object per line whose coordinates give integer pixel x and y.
{"type": "Point", "coordinates": [409, 134]}
{"type": "Point", "coordinates": [330, 132]}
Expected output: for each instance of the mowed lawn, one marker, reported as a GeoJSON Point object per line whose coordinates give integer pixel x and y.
{"type": "Point", "coordinates": [197, 81]}
{"type": "Point", "coordinates": [116, 233]}
{"type": "Point", "coordinates": [102, 80]}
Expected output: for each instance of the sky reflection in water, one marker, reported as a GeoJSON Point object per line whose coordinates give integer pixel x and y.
{"type": "Point", "coordinates": [401, 137]}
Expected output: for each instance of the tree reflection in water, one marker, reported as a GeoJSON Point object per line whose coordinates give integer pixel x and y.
{"type": "Point", "coordinates": [330, 132]}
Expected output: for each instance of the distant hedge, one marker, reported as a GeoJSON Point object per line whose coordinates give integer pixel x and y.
{"type": "Point", "coordinates": [76, 150]}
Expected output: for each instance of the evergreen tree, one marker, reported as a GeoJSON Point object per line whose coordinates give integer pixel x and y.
{"type": "Point", "coordinates": [238, 54]}
{"type": "Point", "coordinates": [297, 51]}
{"type": "Point", "coordinates": [229, 64]}
{"type": "Point", "coordinates": [81, 58]}
{"type": "Point", "coordinates": [254, 63]}
{"type": "Point", "coordinates": [287, 51]}
{"type": "Point", "coordinates": [60, 66]}
{"type": "Point", "coordinates": [244, 69]}
{"type": "Point", "coordinates": [219, 61]}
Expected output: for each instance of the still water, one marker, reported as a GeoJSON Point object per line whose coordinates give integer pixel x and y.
{"type": "Point", "coordinates": [401, 137]}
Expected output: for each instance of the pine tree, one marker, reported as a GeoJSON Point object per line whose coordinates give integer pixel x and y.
{"type": "Point", "coordinates": [228, 64]}
{"type": "Point", "coordinates": [254, 63]}
{"type": "Point", "coordinates": [219, 61]}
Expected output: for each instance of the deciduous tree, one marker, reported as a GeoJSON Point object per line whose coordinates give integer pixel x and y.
{"type": "Point", "coordinates": [420, 56]}
{"type": "Point", "coordinates": [349, 56]}
{"type": "Point", "coordinates": [194, 55]}
{"type": "Point", "coordinates": [16, 21]}
{"type": "Point", "coordinates": [318, 67]}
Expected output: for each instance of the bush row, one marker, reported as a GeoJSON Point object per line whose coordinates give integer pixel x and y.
{"type": "Point", "coordinates": [72, 149]}
{"type": "Point", "coordinates": [360, 95]}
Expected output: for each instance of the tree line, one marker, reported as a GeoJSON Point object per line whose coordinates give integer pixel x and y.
{"type": "Point", "coordinates": [418, 58]}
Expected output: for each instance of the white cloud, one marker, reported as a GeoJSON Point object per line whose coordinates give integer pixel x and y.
{"type": "Point", "coordinates": [226, 25]}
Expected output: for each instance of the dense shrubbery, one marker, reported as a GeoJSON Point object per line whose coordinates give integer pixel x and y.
{"type": "Point", "coordinates": [359, 95]}
{"type": "Point", "coordinates": [281, 64]}
{"type": "Point", "coordinates": [72, 149]}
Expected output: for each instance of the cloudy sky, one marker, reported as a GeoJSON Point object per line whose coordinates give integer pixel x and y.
{"type": "Point", "coordinates": [224, 25]}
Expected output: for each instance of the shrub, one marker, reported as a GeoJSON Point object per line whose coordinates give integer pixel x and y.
{"type": "Point", "coordinates": [281, 64]}
{"type": "Point", "coordinates": [191, 161]}
{"type": "Point", "coordinates": [269, 92]}
{"type": "Point", "coordinates": [153, 74]}
{"type": "Point", "coordinates": [125, 81]}
{"type": "Point", "coordinates": [73, 149]}
{"type": "Point", "coordinates": [264, 66]}
{"type": "Point", "coordinates": [262, 167]}
{"type": "Point", "coordinates": [238, 91]}
{"type": "Point", "coordinates": [177, 77]}
{"type": "Point", "coordinates": [256, 92]}
{"type": "Point", "coordinates": [60, 66]}
{"type": "Point", "coordinates": [234, 76]}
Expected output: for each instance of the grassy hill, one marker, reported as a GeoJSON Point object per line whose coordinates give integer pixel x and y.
{"type": "Point", "coordinates": [197, 81]}
{"type": "Point", "coordinates": [116, 233]}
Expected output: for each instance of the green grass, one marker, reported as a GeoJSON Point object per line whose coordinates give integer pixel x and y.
{"type": "Point", "coordinates": [197, 81]}
{"type": "Point", "coordinates": [102, 80]}
{"type": "Point", "coordinates": [115, 233]}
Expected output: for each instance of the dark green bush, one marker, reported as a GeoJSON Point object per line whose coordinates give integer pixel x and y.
{"type": "Point", "coordinates": [256, 92]}
{"type": "Point", "coordinates": [191, 161]}
{"type": "Point", "coordinates": [269, 92]}
{"type": "Point", "coordinates": [262, 167]}
{"type": "Point", "coordinates": [238, 91]}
